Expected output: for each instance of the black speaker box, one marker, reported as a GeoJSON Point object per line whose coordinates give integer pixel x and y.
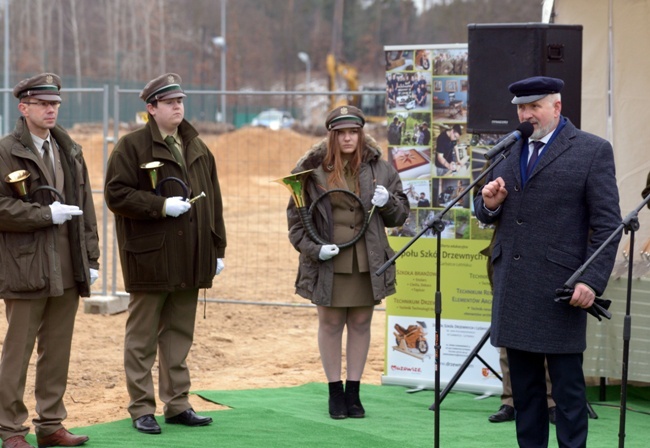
{"type": "Point", "coordinates": [500, 54]}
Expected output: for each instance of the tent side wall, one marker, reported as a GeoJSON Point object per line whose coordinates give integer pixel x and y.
{"type": "Point", "coordinates": [628, 61]}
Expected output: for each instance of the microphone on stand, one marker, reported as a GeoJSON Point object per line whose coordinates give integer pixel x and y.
{"type": "Point", "coordinates": [524, 130]}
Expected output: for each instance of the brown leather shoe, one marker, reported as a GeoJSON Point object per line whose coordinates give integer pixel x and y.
{"type": "Point", "coordinates": [61, 438]}
{"type": "Point", "coordinates": [16, 442]}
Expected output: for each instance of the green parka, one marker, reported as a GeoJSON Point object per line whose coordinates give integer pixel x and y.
{"type": "Point", "coordinates": [161, 253]}
{"type": "Point", "coordinates": [30, 267]}
{"type": "Point", "coordinates": [315, 277]}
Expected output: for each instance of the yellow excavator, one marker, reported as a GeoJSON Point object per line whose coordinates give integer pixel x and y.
{"type": "Point", "coordinates": [372, 105]}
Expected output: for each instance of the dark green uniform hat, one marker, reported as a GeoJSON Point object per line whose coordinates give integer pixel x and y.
{"type": "Point", "coordinates": [345, 117]}
{"type": "Point", "coordinates": [164, 87]}
{"type": "Point", "coordinates": [45, 86]}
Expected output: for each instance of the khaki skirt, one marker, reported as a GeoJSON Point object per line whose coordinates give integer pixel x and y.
{"type": "Point", "coordinates": [351, 290]}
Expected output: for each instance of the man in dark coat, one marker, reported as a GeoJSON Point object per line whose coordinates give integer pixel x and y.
{"type": "Point", "coordinates": [553, 212]}
{"type": "Point", "coordinates": [49, 250]}
{"type": "Point", "coordinates": [169, 248]}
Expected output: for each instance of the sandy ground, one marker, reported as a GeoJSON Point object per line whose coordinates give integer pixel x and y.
{"type": "Point", "coordinates": [236, 346]}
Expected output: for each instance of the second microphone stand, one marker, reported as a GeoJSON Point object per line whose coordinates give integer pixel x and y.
{"type": "Point", "coordinates": [630, 224]}
{"type": "Point", "coordinates": [437, 225]}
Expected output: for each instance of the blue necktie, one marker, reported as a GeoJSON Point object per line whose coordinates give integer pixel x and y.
{"type": "Point", "coordinates": [537, 145]}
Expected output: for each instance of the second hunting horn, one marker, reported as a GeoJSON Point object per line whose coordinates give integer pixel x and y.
{"type": "Point", "coordinates": [295, 184]}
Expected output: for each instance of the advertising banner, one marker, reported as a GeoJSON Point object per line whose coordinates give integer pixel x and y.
{"type": "Point", "coordinates": [426, 93]}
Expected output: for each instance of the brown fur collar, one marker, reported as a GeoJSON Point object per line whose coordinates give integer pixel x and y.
{"type": "Point", "coordinates": [313, 158]}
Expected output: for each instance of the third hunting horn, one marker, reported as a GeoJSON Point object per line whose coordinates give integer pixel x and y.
{"type": "Point", "coordinates": [152, 170]}
{"type": "Point", "coordinates": [295, 184]}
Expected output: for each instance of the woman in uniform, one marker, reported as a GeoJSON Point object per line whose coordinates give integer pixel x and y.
{"type": "Point", "coordinates": [342, 282]}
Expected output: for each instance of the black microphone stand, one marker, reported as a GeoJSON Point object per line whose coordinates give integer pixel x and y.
{"type": "Point", "coordinates": [630, 224]}
{"type": "Point", "coordinates": [438, 226]}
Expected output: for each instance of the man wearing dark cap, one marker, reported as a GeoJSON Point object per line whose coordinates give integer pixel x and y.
{"type": "Point", "coordinates": [49, 239]}
{"type": "Point", "coordinates": [424, 137]}
{"type": "Point", "coordinates": [446, 150]}
{"type": "Point", "coordinates": [170, 247]}
{"type": "Point", "coordinates": [646, 190]}
{"type": "Point", "coordinates": [556, 201]}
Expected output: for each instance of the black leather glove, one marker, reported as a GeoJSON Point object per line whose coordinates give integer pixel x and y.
{"type": "Point", "coordinates": [598, 309]}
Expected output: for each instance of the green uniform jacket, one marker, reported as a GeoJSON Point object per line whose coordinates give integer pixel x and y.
{"type": "Point", "coordinates": [30, 267]}
{"type": "Point", "coordinates": [161, 253]}
{"type": "Point", "coordinates": [315, 277]}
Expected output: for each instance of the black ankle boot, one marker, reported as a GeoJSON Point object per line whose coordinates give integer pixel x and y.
{"type": "Point", "coordinates": [352, 401]}
{"type": "Point", "coordinates": [338, 410]}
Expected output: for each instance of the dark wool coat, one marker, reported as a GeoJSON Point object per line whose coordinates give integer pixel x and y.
{"type": "Point", "coordinates": [315, 277]}
{"type": "Point", "coordinates": [30, 267]}
{"type": "Point", "coordinates": [163, 253]}
{"type": "Point", "coordinates": [546, 230]}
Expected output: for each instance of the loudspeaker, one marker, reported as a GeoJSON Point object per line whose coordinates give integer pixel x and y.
{"type": "Point", "coordinates": [500, 54]}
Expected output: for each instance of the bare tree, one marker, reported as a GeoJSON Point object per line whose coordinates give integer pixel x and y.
{"type": "Point", "coordinates": [162, 62]}
{"type": "Point", "coordinates": [147, 11]}
{"type": "Point", "coordinates": [75, 43]}
{"type": "Point", "coordinates": [59, 37]}
{"type": "Point", "coordinates": [40, 34]}
{"type": "Point", "coordinates": [132, 39]}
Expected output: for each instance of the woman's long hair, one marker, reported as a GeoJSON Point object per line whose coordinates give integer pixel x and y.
{"type": "Point", "coordinates": [334, 165]}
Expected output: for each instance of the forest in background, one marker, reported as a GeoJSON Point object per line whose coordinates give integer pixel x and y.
{"type": "Point", "coordinates": [114, 41]}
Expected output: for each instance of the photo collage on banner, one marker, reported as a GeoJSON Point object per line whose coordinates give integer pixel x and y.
{"type": "Point", "coordinates": [427, 105]}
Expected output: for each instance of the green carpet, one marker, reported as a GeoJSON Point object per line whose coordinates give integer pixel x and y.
{"type": "Point", "coordinates": [297, 417]}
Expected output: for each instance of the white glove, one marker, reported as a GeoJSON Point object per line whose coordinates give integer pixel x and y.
{"type": "Point", "coordinates": [62, 212]}
{"type": "Point", "coordinates": [327, 251]}
{"type": "Point", "coordinates": [380, 198]}
{"type": "Point", "coordinates": [176, 206]}
{"type": "Point", "coordinates": [220, 265]}
{"type": "Point", "coordinates": [94, 275]}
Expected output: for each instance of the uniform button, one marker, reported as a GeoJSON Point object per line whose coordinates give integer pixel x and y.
{"type": "Point", "coordinates": [183, 285]}
{"type": "Point", "coordinates": [516, 257]}
{"type": "Point", "coordinates": [516, 187]}
{"type": "Point", "coordinates": [520, 221]}
{"type": "Point", "coordinates": [180, 233]}
{"type": "Point", "coordinates": [351, 209]}
{"type": "Point", "coordinates": [352, 227]}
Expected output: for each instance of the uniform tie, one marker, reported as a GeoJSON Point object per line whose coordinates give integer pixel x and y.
{"type": "Point", "coordinates": [47, 160]}
{"type": "Point", "coordinates": [171, 143]}
{"type": "Point", "coordinates": [537, 145]}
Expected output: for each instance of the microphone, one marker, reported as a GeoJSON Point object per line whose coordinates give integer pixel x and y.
{"type": "Point", "coordinates": [524, 130]}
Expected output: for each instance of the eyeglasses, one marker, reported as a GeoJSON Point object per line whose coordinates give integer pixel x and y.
{"type": "Point", "coordinates": [44, 104]}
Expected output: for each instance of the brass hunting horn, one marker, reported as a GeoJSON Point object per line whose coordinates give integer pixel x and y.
{"type": "Point", "coordinates": [17, 180]}
{"type": "Point", "coordinates": [295, 184]}
{"type": "Point", "coordinates": [152, 170]}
